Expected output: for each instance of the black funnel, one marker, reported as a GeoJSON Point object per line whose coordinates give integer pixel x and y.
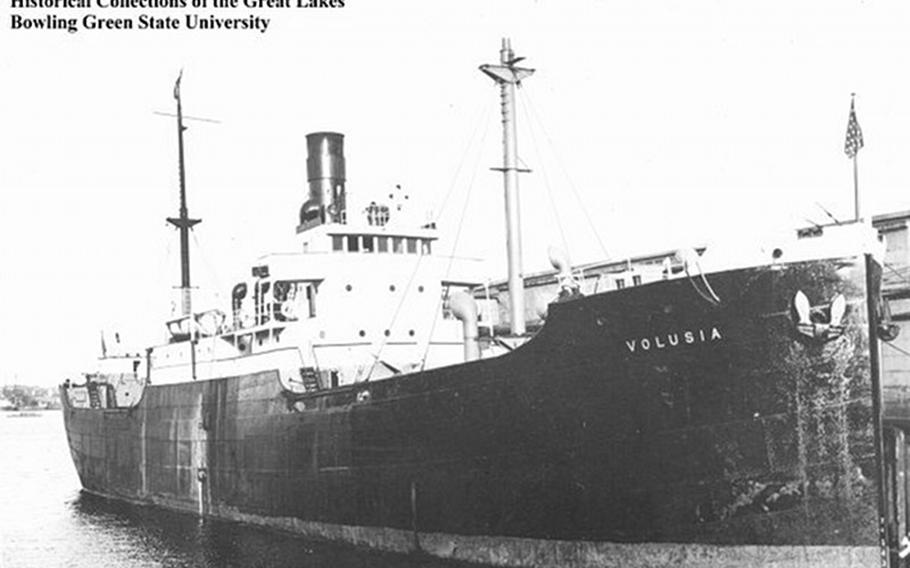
{"type": "Point", "coordinates": [325, 176]}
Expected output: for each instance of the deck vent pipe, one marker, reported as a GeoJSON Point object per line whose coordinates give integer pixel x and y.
{"type": "Point", "coordinates": [559, 259]}
{"type": "Point", "coordinates": [569, 287]}
{"type": "Point", "coordinates": [464, 308]}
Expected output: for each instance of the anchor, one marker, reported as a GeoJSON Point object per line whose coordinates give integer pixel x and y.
{"type": "Point", "coordinates": [820, 330]}
{"type": "Point", "coordinates": [904, 551]}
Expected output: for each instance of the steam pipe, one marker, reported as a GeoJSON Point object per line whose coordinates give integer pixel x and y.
{"type": "Point", "coordinates": [464, 308]}
{"type": "Point", "coordinates": [559, 259]}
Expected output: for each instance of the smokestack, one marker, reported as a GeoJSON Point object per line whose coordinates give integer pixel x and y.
{"type": "Point", "coordinates": [325, 176]}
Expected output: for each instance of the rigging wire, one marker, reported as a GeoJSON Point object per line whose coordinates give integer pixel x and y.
{"type": "Point", "coordinates": [163, 264]}
{"type": "Point", "coordinates": [546, 178]}
{"type": "Point", "coordinates": [217, 298]}
{"type": "Point", "coordinates": [897, 273]}
{"type": "Point", "coordinates": [160, 299]}
{"type": "Point", "coordinates": [404, 294]}
{"type": "Point", "coordinates": [828, 213]}
{"type": "Point", "coordinates": [211, 269]}
{"type": "Point", "coordinates": [565, 172]}
{"type": "Point", "coordinates": [902, 277]}
{"type": "Point", "coordinates": [485, 113]}
{"type": "Point", "coordinates": [460, 226]}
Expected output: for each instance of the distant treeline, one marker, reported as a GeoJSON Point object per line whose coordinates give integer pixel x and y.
{"type": "Point", "coordinates": [19, 397]}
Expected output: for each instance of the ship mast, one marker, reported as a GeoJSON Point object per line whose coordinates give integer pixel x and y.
{"type": "Point", "coordinates": [183, 222]}
{"type": "Point", "coordinates": [507, 75]}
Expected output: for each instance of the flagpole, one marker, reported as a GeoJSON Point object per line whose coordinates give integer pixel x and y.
{"type": "Point", "coordinates": [852, 145]}
{"type": "Point", "coordinates": [856, 188]}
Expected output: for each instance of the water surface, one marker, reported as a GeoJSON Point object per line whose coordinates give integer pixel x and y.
{"type": "Point", "coordinates": [45, 520]}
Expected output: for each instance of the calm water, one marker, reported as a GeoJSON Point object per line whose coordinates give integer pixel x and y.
{"type": "Point", "coordinates": [46, 521]}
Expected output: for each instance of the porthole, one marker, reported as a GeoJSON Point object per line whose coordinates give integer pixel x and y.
{"type": "Point", "coordinates": [362, 333]}
{"type": "Point", "coordinates": [391, 287]}
{"type": "Point", "coordinates": [348, 287]}
{"type": "Point", "coordinates": [420, 288]}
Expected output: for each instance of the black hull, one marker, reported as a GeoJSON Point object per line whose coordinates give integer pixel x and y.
{"type": "Point", "coordinates": [641, 427]}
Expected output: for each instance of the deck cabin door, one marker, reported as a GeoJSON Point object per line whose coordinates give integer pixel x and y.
{"type": "Point", "coordinates": [896, 493]}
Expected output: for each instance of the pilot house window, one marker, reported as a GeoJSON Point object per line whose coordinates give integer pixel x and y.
{"type": "Point", "coordinates": [381, 244]}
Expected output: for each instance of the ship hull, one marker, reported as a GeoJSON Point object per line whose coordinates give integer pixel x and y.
{"type": "Point", "coordinates": [685, 423]}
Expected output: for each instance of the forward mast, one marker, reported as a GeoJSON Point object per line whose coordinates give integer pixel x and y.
{"type": "Point", "coordinates": [508, 76]}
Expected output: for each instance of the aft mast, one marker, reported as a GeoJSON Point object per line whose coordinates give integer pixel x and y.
{"type": "Point", "coordinates": [508, 76]}
{"type": "Point", "coordinates": [183, 222]}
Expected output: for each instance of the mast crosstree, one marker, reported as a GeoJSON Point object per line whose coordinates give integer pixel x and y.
{"type": "Point", "coordinates": [183, 222]}
{"type": "Point", "coordinates": [507, 75]}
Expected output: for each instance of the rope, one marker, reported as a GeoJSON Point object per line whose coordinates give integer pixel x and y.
{"type": "Point", "coordinates": [581, 203]}
{"type": "Point", "coordinates": [896, 348]}
{"type": "Point", "coordinates": [714, 295]}
{"type": "Point", "coordinates": [712, 298]}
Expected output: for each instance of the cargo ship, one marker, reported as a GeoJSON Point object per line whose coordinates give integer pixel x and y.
{"type": "Point", "coordinates": [719, 410]}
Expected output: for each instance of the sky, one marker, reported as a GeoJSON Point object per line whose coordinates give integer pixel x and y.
{"type": "Point", "coordinates": [648, 126]}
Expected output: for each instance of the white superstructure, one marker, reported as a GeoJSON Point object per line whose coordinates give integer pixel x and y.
{"type": "Point", "coordinates": [362, 298]}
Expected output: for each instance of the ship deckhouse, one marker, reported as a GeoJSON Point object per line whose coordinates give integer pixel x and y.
{"type": "Point", "coordinates": [364, 296]}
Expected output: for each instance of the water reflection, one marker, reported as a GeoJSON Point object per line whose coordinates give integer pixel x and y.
{"type": "Point", "coordinates": [148, 536]}
{"type": "Point", "coordinates": [151, 536]}
{"type": "Point", "coordinates": [46, 521]}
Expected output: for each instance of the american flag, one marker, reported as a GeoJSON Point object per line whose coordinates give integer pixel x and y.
{"type": "Point", "coordinates": [854, 139]}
